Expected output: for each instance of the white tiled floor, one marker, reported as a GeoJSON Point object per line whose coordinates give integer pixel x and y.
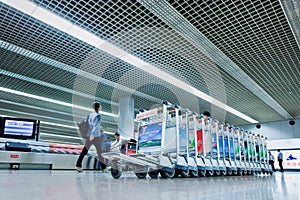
{"type": "Point", "coordinates": [56, 185]}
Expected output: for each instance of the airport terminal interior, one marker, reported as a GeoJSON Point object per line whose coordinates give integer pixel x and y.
{"type": "Point", "coordinates": [205, 95]}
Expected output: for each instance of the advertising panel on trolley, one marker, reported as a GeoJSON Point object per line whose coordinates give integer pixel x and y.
{"type": "Point", "coordinates": [150, 137]}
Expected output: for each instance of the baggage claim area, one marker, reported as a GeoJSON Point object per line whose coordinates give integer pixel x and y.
{"type": "Point", "coordinates": [206, 94]}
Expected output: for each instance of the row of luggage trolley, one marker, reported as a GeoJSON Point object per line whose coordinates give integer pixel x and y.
{"type": "Point", "coordinates": [176, 142]}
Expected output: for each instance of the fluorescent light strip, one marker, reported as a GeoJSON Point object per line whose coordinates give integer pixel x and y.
{"type": "Point", "coordinates": [77, 32]}
{"type": "Point", "coordinates": [56, 87]}
{"type": "Point", "coordinates": [60, 136]}
{"type": "Point", "coordinates": [66, 126]}
{"type": "Point", "coordinates": [68, 68]}
{"type": "Point", "coordinates": [65, 136]}
{"type": "Point", "coordinates": [51, 100]}
{"type": "Point", "coordinates": [60, 125]}
{"type": "Point", "coordinates": [53, 20]}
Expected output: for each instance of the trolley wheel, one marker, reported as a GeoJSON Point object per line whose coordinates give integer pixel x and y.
{"type": "Point", "coordinates": [202, 172]}
{"type": "Point", "coordinates": [153, 174]}
{"type": "Point", "coordinates": [176, 174]}
{"type": "Point", "coordinates": [116, 173]}
{"type": "Point", "coordinates": [235, 172]}
{"type": "Point", "coordinates": [168, 174]}
{"type": "Point", "coordinates": [240, 172]}
{"type": "Point", "coordinates": [245, 172]}
{"type": "Point", "coordinates": [184, 173]}
{"type": "Point", "coordinates": [193, 173]}
{"type": "Point", "coordinates": [224, 172]}
{"type": "Point", "coordinates": [217, 172]}
{"type": "Point", "coordinates": [229, 172]}
{"type": "Point", "coordinates": [271, 173]}
{"type": "Point", "coordinates": [209, 173]}
{"type": "Point", "coordinates": [141, 175]}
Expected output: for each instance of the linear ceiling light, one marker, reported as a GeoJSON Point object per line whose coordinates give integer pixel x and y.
{"type": "Point", "coordinates": [78, 32]}
{"type": "Point", "coordinates": [52, 100]}
{"type": "Point", "coordinates": [60, 136]}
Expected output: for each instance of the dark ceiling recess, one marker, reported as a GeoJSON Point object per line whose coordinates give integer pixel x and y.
{"type": "Point", "coordinates": [292, 122]}
{"type": "Point", "coordinates": [258, 126]}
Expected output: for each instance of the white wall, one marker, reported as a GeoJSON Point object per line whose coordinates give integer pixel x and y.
{"type": "Point", "coordinates": [276, 130]}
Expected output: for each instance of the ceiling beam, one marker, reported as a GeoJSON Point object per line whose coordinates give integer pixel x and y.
{"type": "Point", "coordinates": [291, 9]}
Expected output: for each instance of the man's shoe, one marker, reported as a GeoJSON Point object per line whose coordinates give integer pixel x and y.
{"type": "Point", "coordinates": [79, 169]}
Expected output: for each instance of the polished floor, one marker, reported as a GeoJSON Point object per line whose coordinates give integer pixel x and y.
{"type": "Point", "coordinates": [90, 185]}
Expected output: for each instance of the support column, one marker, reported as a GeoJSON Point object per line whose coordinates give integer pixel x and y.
{"type": "Point", "coordinates": [126, 117]}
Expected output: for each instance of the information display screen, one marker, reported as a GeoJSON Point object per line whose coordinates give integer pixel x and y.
{"type": "Point", "coordinates": [18, 128]}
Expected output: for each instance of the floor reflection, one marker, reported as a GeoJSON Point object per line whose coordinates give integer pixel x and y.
{"type": "Point", "coordinates": [97, 185]}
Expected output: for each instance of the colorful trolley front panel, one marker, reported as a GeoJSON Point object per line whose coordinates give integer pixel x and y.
{"type": "Point", "coordinates": [215, 130]}
{"type": "Point", "coordinates": [237, 150]}
{"type": "Point", "coordinates": [247, 159]}
{"type": "Point", "coordinates": [204, 146]}
{"type": "Point", "coordinates": [194, 126]}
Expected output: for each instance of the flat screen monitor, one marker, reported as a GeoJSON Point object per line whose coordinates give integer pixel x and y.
{"type": "Point", "coordinates": [18, 128]}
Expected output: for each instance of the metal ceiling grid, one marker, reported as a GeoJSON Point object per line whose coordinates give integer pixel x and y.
{"type": "Point", "coordinates": [132, 6]}
{"type": "Point", "coordinates": [246, 100]}
{"type": "Point", "coordinates": [256, 36]}
{"type": "Point", "coordinates": [157, 40]}
{"type": "Point", "coordinates": [30, 34]}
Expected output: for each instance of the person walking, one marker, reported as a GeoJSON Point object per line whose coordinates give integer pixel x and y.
{"type": "Point", "coordinates": [94, 136]}
{"type": "Point", "coordinates": [271, 161]}
{"type": "Point", "coordinates": [280, 159]}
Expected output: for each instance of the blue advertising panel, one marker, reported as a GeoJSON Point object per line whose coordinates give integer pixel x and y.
{"type": "Point", "coordinates": [226, 149]}
{"type": "Point", "coordinates": [150, 137]}
{"type": "Point", "coordinates": [182, 138]}
{"type": "Point", "coordinates": [221, 147]}
{"type": "Point", "coordinates": [231, 147]}
{"type": "Point", "coordinates": [214, 144]}
{"type": "Point", "coordinates": [236, 148]}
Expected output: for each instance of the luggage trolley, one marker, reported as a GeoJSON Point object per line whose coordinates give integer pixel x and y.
{"type": "Point", "coordinates": [152, 156]}
{"type": "Point", "coordinates": [222, 144]}
{"type": "Point", "coordinates": [248, 153]}
{"type": "Point", "coordinates": [238, 148]}
{"type": "Point", "coordinates": [255, 153]}
{"type": "Point", "coordinates": [194, 122]}
{"type": "Point", "coordinates": [189, 167]}
{"type": "Point", "coordinates": [266, 157]}
{"type": "Point", "coordinates": [229, 149]}
{"type": "Point", "coordinates": [174, 144]}
{"type": "Point", "coordinates": [211, 165]}
{"type": "Point", "coordinates": [216, 155]}
{"type": "Point", "coordinates": [244, 151]}
{"type": "Point", "coordinates": [251, 152]}
{"type": "Point", "coordinates": [263, 155]}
